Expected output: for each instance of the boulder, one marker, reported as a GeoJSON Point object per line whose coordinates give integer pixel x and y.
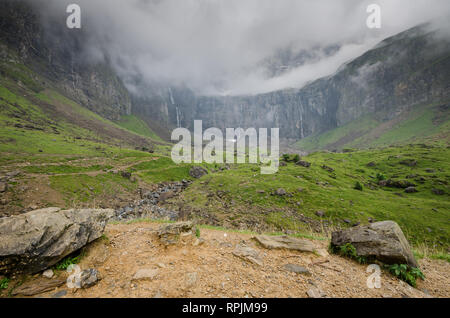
{"type": "Point", "coordinates": [34, 241]}
{"type": "Point", "coordinates": [383, 241]}
{"type": "Point", "coordinates": [197, 172]}
{"type": "Point", "coordinates": [303, 164]}
{"type": "Point", "coordinates": [285, 242]}
{"type": "Point", "coordinates": [170, 233]}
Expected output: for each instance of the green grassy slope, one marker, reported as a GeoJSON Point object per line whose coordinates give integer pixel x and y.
{"type": "Point", "coordinates": [423, 123]}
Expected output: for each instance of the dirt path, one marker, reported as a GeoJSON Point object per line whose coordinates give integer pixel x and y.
{"type": "Point", "coordinates": [211, 270]}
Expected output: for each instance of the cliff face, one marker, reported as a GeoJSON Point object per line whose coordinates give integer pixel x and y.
{"type": "Point", "coordinates": [408, 69]}
{"type": "Point", "coordinates": [52, 50]}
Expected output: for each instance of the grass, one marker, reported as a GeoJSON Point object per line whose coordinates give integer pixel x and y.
{"type": "Point", "coordinates": [137, 125]}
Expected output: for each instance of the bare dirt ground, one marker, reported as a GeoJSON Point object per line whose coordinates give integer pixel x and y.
{"type": "Point", "coordinates": [211, 270]}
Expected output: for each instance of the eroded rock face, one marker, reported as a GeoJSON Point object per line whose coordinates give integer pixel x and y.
{"type": "Point", "coordinates": [34, 241]}
{"type": "Point", "coordinates": [384, 241]}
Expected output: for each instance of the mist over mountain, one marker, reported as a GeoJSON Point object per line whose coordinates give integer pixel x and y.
{"type": "Point", "coordinates": [223, 47]}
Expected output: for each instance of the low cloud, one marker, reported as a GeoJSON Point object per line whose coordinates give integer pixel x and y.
{"type": "Point", "coordinates": [219, 47]}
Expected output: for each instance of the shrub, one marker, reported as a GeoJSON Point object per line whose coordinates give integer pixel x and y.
{"type": "Point", "coordinates": [348, 250]}
{"type": "Point", "coordinates": [4, 283]}
{"type": "Point", "coordinates": [358, 186]}
{"type": "Point", "coordinates": [380, 177]}
{"type": "Point", "coordinates": [406, 273]}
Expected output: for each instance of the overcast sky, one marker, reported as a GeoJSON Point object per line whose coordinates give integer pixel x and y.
{"type": "Point", "coordinates": [219, 46]}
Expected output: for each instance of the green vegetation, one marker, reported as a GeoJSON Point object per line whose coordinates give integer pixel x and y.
{"type": "Point", "coordinates": [406, 273]}
{"type": "Point", "coordinates": [67, 261]}
{"type": "Point", "coordinates": [348, 250]}
{"type": "Point", "coordinates": [423, 123]}
{"type": "Point", "coordinates": [4, 282]}
{"type": "Point", "coordinates": [358, 186]}
{"type": "Point", "coordinates": [137, 125]}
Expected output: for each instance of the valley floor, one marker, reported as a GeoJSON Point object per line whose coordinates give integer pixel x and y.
{"type": "Point", "coordinates": [211, 270]}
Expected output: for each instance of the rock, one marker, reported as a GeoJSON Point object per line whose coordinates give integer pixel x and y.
{"type": "Point", "coordinates": [320, 213]}
{"type": "Point", "coordinates": [197, 172]}
{"type": "Point", "coordinates": [280, 192]}
{"type": "Point", "coordinates": [285, 242]}
{"type": "Point", "coordinates": [371, 164]}
{"type": "Point", "coordinates": [247, 253]}
{"type": "Point", "coordinates": [89, 277]}
{"type": "Point", "coordinates": [303, 164]}
{"type": "Point", "coordinates": [296, 269]}
{"type": "Point", "coordinates": [283, 164]}
{"type": "Point", "coordinates": [401, 184]}
{"type": "Point", "coordinates": [300, 189]}
{"type": "Point", "coordinates": [60, 294]}
{"type": "Point", "coordinates": [411, 190]}
{"type": "Point", "coordinates": [38, 287]}
{"type": "Point", "coordinates": [191, 279]}
{"type": "Point", "coordinates": [409, 162]}
{"type": "Point", "coordinates": [329, 169]}
{"type": "Point", "coordinates": [384, 241]}
{"type": "Point", "coordinates": [347, 221]}
{"type": "Point", "coordinates": [166, 195]}
{"type": "Point", "coordinates": [48, 273]}
{"type": "Point", "coordinates": [3, 187]}
{"type": "Point", "coordinates": [125, 174]}
{"type": "Point", "coordinates": [145, 273]}
{"type": "Point", "coordinates": [34, 241]}
{"type": "Point", "coordinates": [314, 292]}
{"type": "Point", "coordinates": [438, 191]}
{"type": "Point", "coordinates": [260, 191]}
{"type": "Point", "coordinates": [170, 234]}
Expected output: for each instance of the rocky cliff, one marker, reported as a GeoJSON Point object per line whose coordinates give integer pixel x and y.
{"type": "Point", "coordinates": [408, 69]}
{"type": "Point", "coordinates": [49, 48]}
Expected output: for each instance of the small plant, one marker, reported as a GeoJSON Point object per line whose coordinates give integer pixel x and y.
{"type": "Point", "coordinates": [296, 158]}
{"type": "Point", "coordinates": [66, 262]}
{"type": "Point", "coordinates": [381, 177]}
{"type": "Point", "coordinates": [197, 232]}
{"type": "Point", "coordinates": [348, 250]}
{"type": "Point", "coordinates": [4, 283]}
{"type": "Point", "coordinates": [406, 273]}
{"type": "Point", "coordinates": [358, 186]}
{"type": "Point", "coordinates": [286, 157]}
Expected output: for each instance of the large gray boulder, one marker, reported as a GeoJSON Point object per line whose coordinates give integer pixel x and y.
{"type": "Point", "coordinates": [34, 241]}
{"type": "Point", "coordinates": [383, 241]}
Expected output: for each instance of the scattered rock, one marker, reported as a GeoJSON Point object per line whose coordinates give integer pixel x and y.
{"type": "Point", "coordinates": [401, 184]}
{"type": "Point", "coordinates": [34, 241]}
{"type": "Point", "coordinates": [89, 277]}
{"type": "Point", "coordinates": [315, 292]}
{"type": "Point", "coordinates": [320, 213]}
{"type": "Point", "coordinates": [170, 234]}
{"type": "Point", "coordinates": [145, 273]}
{"type": "Point", "coordinates": [197, 172]}
{"type": "Point", "coordinates": [3, 187]}
{"type": "Point", "coordinates": [38, 287]}
{"type": "Point", "coordinates": [191, 279]}
{"type": "Point", "coordinates": [247, 253]}
{"type": "Point", "coordinates": [297, 269]}
{"type": "Point", "coordinates": [48, 273]}
{"type": "Point", "coordinates": [280, 192]}
{"type": "Point", "coordinates": [60, 294]}
{"type": "Point", "coordinates": [166, 195]}
{"type": "Point", "coordinates": [409, 162]}
{"type": "Point", "coordinates": [300, 189]}
{"type": "Point", "coordinates": [411, 190]}
{"type": "Point", "coordinates": [260, 191]}
{"type": "Point", "coordinates": [371, 164]}
{"type": "Point", "coordinates": [347, 221]}
{"type": "Point", "coordinates": [329, 169]}
{"type": "Point", "coordinates": [125, 174]}
{"type": "Point", "coordinates": [438, 191]}
{"type": "Point", "coordinates": [384, 241]}
{"type": "Point", "coordinates": [303, 164]}
{"type": "Point", "coordinates": [285, 242]}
